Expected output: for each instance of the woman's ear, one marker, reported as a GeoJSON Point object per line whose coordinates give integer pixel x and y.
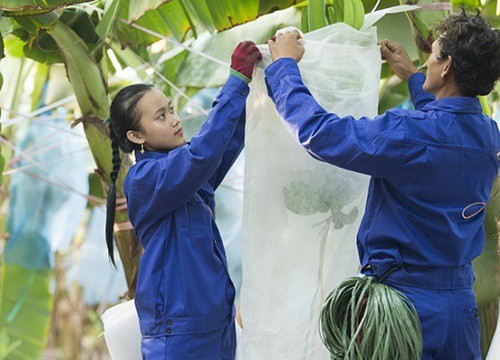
{"type": "Point", "coordinates": [136, 137]}
{"type": "Point", "coordinates": [448, 67]}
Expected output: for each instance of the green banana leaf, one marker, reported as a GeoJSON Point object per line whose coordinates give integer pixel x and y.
{"type": "Point", "coordinates": [41, 77]}
{"type": "Point", "coordinates": [41, 47]}
{"type": "Point", "coordinates": [226, 14]}
{"type": "Point", "coordinates": [179, 17]}
{"type": "Point", "coordinates": [25, 309]}
{"type": "Point", "coordinates": [487, 284]}
{"type": "Point", "coordinates": [169, 65]}
{"type": "Point", "coordinates": [467, 3]}
{"type": "Point", "coordinates": [197, 71]}
{"type": "Point", "coordinates": [2, 158]}
{"type": "Point", "coordinates": [424, 25]}
{"type": "Point", "coordinates": [83, 71]}
{"type": "Point", "coordinates": [170, 18]}
{"type": "Point", "coordinates": [31, 7]}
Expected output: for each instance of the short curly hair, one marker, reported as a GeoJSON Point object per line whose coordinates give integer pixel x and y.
{"type": "Point", "coordinates": [475, 49]}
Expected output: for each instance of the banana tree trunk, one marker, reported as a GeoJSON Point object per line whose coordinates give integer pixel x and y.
{"type": "Point", "coordinates": [90, 89]}
{"type": "Point", "coordinates": [127, 243]}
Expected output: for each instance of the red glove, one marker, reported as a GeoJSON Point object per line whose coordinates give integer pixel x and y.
{"type": "Point", "coordinates": [244, 57]}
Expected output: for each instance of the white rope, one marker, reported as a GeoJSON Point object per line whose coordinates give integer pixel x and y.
{"type": "Point", "coordinates": [376, 6]}
{"type": "Point", "coordinates": [18, 151]}
{"type": "Point", "coordinates": [91, 198]}
{"type": "Point", "coordinates": [163, 78]}
{"type": "Point", "coordinates": [37, 111]}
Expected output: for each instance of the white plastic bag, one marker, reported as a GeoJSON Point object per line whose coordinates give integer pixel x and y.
{"type": "Point", "coordinates": [122, 332]}
{"type": "Point", "coordinates": [301, 216]}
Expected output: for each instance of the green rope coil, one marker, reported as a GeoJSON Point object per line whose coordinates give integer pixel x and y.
{"type": "Point", "coordinates": [364, 319]}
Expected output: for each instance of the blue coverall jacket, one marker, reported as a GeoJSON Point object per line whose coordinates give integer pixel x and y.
{"type": "Point", "coordinates": [426, 167]}
{"type": "Point", "coordinates": [184, 286]}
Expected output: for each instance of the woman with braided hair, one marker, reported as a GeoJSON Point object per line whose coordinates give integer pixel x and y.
{"type": "Point", "coordinates": [184, 296]}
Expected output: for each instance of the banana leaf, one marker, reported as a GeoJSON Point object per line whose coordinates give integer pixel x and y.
{"type": "Point", "coordinates": [179, 17]}
{"type": "Point", "coordinates": [43, 219]}
{"type": "Point", "coordinates": [38, 45]}
{"type": "Point", "coordinates": [424, 25]}
{"type": "Point", "coordinates": [197, 71]}
{"type": "Point", "coordinates": [170, 18]}
{"type": "Point", "coordinates": [32, 7]}
{"type": "Point", "coordinates": [2, 158]}
{"type": "Point", "coordinates": [226, 14]}
{"type": "Point", "coordinates": [28, 325]}
{"type": "Point", "coordinates": [487, 285]}
{"type": "Point", "coordinates": [83, 71]}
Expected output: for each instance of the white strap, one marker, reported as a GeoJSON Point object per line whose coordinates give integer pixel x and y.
{"type": "Point", "coordinates": [373, 17]}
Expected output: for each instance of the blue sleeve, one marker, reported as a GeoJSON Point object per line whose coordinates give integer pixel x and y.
{"type": "Point", "coordinates": [418, 96]}
{"type": "Point", "coordinates": [368, 146]}
{"type": "Point", "coordinates": [166, 183]}
{"type": "Point", "coordinates": [232, 152]}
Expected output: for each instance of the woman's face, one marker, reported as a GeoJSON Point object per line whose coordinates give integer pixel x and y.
{"type": "Point", "coordinates": [161, 129]}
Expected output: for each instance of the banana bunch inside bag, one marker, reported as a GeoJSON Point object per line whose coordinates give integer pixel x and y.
{"type": "Point", "coordinates": [301, 216]}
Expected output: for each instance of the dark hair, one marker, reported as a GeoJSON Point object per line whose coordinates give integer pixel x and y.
{"type": "Point", "coordinates": [475, 49]}
{"type": "Point", "coordinates": [123, 117]}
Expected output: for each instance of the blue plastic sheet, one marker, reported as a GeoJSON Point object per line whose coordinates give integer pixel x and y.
{"type": "Point", "coordinates": [92, 269]}
{"type": "Point", "coordinates": [48, 193]}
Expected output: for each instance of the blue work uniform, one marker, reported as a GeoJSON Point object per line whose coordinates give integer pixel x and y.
{"type": "Point", "coordinates": [426, 166]}
{"type": "Point", "coordinates": [184, 296]}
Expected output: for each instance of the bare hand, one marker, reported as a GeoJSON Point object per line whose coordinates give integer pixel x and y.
{"type": "Point", "coordinates": [397, 58]}
{"type": "Point", "coordinates": [287, 46]}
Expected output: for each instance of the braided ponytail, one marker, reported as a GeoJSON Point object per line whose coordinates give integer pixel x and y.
{"type": "Point", "coordinates": [110, 208]}
{"type": "Point", "coordinates": [123, 116]}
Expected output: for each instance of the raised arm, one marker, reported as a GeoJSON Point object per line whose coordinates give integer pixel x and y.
{"type": "Point", "coordinates": [418, 96]}
{"type": "Point", "coordinates": [166, 182]}
{"type": "Point", "coordinates": [369, 146]}
{"type": "Point", "coordinates": [232, 152]}
{"type": "Point", "coordinates": [169, 181]}
{"type": "Point", "coordinates": [401, 64]}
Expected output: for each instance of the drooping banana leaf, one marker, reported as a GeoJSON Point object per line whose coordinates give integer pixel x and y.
{"type": "Point", "coordinates": [226, 14]}
{"type": "Point", "coordinates": [41, 47]}
{"type": "Point", "coordinates": [26, 322]}
{"type": "Point", "coordinates": [169, 66]}
{"type": "Point", "coordinates": [488, 8]}
{"type": "Point", "coordinates": [179, 17]}
{"type": "Point", "coordinates": [83, 72]}
{"type": "Point", "coordinates": [424, 25]}
{"type": "Point", "coordinates": [198, 71]}
{"type": "Point", "coordinates": [169, 18]}
{"type": "Point", "coordinates": [31, 7]}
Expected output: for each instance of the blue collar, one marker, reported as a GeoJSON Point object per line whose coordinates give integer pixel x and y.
{"type": "Point", "coordinates": [469, 105]}
{"type": "Point", "coordinates": [147, 154]}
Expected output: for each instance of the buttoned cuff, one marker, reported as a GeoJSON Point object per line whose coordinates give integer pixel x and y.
{"type": "Point", "coordinates": [235, 87]}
